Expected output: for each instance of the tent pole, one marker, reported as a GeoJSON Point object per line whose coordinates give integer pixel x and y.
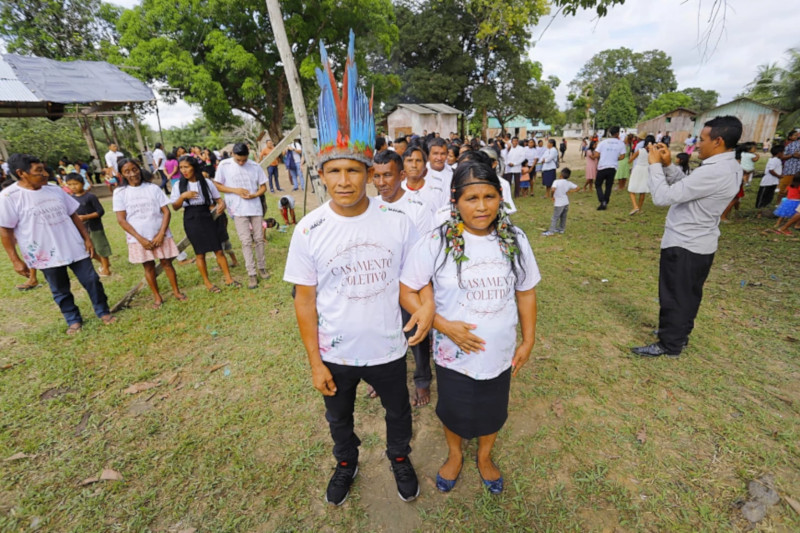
{"type": "Point", "coordinates": [105, 130]}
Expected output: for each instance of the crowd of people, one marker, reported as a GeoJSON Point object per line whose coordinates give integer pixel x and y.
{"type": "Point", "coordinates": [434, 262]}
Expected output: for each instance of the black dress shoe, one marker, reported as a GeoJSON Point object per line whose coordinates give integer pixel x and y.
{"type": "Point", "coordinates": [653, 350]}
{"type": "Point", "coordinates": [601, 207]}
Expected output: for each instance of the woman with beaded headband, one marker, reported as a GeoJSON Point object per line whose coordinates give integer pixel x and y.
{"type": "Point", "coordinates": [483, 273]}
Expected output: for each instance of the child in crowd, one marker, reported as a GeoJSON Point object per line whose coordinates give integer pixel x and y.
{"type": "Point", "coordinates": [287, 208]}
{"type": "Point", "coordinates": [525, 179]}
{"type": "Point", "coordinates": [43, 221]}
{"type": "Point", "coordinates": [592, 158]}
{"type": "Point", "coordinates": [747, 159]}
{"type": "Point", "coordinates": [142, 212]}
{"type": "Point", "coordinates": [558, 194]}
{"type": "Point", "coordinates": [682, 160]}
{"type": "Point", "coordinates": [788, 206]}
{"type": "Point", "coordinates": [771, 179]}
{"type": "Point", "coordinates": [110, 179]}
{"type": "Point", "coordinates": [90, 212]}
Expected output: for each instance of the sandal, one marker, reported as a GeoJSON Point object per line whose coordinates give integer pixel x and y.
{"type": "Point", "coordinates": [27, 287]}
{"type": "Point", "coordinates": [234, 284]}
{"type": "Point", "coordinates": [157, 305]}
{"type": "Point", "coordinates": [73, 329]}
{"type": "Point", "coordinates": [108, 319]}
{"type": "Point", "coordinates": [214, 289]}
{"type": "Point", "coordinates": [181, 297]}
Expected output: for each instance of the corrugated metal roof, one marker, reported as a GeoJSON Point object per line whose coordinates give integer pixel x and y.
{"type": "Point", "coordinates": [11, 89]}
{"type": "Point", "coordinates": [444, 109]}
{"type": "Point", "coordinates": [418, 109]}
{"type": "Point", "coordinates": [72, 82]}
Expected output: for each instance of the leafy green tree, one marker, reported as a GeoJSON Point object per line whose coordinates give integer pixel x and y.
{"type": "Point", "coordinates": [44, 138]}
{"type": "Point", "coordinates": [221, 54]}
{"type": "Point", "coordinates": [59, 29]}
{"type": "Point", "coordinates": [779, 87]}
{"type": "Point", "coordinates": [648, 73]}
{"type": "Point", "coordinates": [702, 100]}
{"type": "Point", "coordinates": [667, 102]}
{"type": "Point", "coordinates": [619, 109]}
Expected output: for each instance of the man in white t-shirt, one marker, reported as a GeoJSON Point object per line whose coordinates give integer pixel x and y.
{"type": "Point", "coordinates": [416, 179]}
{"type": "Point", "coordinates": [43, 220]}
{"type": "Point", "coordinates": [612, 151]}
{"type": "Point", "coordinates": [388, 179]}
{"type": "Point", "coordinates": [159, 158]}
{"type": "Point", "coordinates": [439, 173]}
{"type": "Point", "coordinates": [112, 156]}
{"type": "Point", "coordinates": [514, 159]}
{"type": "Point", "coordinates": [345, 259]}
{"type": "Point", "coordinates": [244, 183]}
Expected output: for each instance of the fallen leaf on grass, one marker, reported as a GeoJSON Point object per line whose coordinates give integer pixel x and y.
{"type": "Point", "coordinates": [12, 364]}
{"type": "Point", "coordinates": [558, 408]}
{"type": "Point", "coordinates": [173, 378]}
{"type": "Point", "coordinates": [274, 312]}
{"type": "Point", "coordinates": [217, 367]}
{"type": "Point", "coordinates": [641, 435]}
{"type": "Point", "coordinates": [793, 504]}
{"type": "Point", "coordinates": [791, 339]}
{"type": "Point", "coordinates": [670, 395]}
{"type": "Point", "coordinates": [139, 387]}
{"type": "Point", "coordinates": [17, 457]}
{"type": "Point", "coordinates": [110, 475]}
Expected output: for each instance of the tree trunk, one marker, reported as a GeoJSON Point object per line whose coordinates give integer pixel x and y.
{"type": "Point", "coordinates": [484, 125]}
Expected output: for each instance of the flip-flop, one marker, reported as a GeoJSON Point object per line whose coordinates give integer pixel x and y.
{"type": "Point", "coordinates": [234, 285]}
{"type": "Point", "coordinates": [108, 319]}
{"type": "Point", "coordinates": [214, 289]}
{"type": "Point", "coordinates": [26, 287]}
{"type": "Point", "coordinates": [74, 328]}
{"type": "Point", "coordinates": [181, 297]}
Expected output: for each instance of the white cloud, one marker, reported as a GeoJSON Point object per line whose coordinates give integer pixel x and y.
{"type": "Point", "coordinates": [754, 33]}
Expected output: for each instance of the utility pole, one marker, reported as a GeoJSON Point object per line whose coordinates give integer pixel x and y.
{"type": "Point", "coordinates": [296, 93]}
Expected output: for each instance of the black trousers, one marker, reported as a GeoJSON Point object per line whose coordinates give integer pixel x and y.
{"type": "Point", "coordinates": [765, 196]}
{"type": "Point", "coordinates": [513, 179]}
{"type": "Point", "coordinates": [604, 180]}
{"type": "Point", "coordinates": [422, 356]}
{"type": "Point", "coordinates": [681, 277]}
{"type": "Point", "coordinates": [389, 381]}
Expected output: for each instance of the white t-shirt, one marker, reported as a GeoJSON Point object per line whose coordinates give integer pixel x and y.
{"type": "Point", "coordinates": [289, 199]}
{"type": "Point", "coordinates": [426, 194]}
{"type": "Point", "coordinates": [142, 206]}
{"type": "Point", "coordinates": [485, 297]}
{"type": "Point", "coordinates": [45, 233]}
{"type": "Point", "coordinates": [249, 176]}
{"type": "Point", "coordinates": [610, 150]}
{"type": "Point", "coordinates": [159, 157]}
{"type": "Point", "coordinates": [194, 187]}
{"type": "Point", "coordinates": [440, 180]}
{"type": "Point", "coordinates": [560, 189]}
{"type": "Point", "coordinates": [355, 264]}
{"type": "Point", "coordinates": [747, 161]}
{"type": "Point", "coordinates": [111, 160]}
{"type": "Point", "coordinates": [769, 180]}
{"type": "Point", "coordinates": [415, 209]}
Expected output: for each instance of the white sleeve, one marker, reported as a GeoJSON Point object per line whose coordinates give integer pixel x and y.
{"type": "Point", "coordinates": [418, 268]}
{"type": "Point", "coordinates": [159, 195]}
{"type": "Point", "coordinates": [219, 175]}
{"type": "Point", "coordinates": [118, 200]}
{"type": "Point", "coordinates": [527, 263]}
{"type": "Point", "coordinates": [212, 189]}
{"type": "Point", "coordinates": [300, 268]}
{"type": "Point", "coordinates": [9, 217]}
{"type": "Point", "coordinates": [571, 186]}
{"type": "Point", "coordinates": [262, 177]}
{"type": "Point", "coordinates": [176, 193]}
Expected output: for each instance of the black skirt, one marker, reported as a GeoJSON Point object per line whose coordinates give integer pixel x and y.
{"type": "Point", "coordinates": [469, 407]}
{"type": "Point", "coordinates": [201, 229]}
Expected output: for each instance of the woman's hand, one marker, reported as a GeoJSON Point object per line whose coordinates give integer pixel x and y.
{"type": "Point", "coordinates": [158, 240]}
{"type": "Point", "coordinates": [189, 195]}
{"type": "Point", "coordinates": [423, 320]}
{"type": "Point", "coordinates": [461, 334]}
{"type": "Point", "coordinates": [147, 245]}
{"type": "Point", "coordinates": [521, 356]}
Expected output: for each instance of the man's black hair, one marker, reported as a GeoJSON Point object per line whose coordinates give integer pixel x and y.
{"type": "Point", "coordinates": [241, 149]}
{"type": "Point", "coordinates": [415, 148]}
{"type": "Point", "coordinates": [728, 128]}
{"type": "Point", "coordinates": [776, 149]}
{"type": "Point", "coordinates": [386, 157]}
{"type": "Point", "coordinates": [613, 131]}
{"type": "Point", "coordinates": [380, 143]}
{"type": "Point", "coordinates": [401, 139]}
{"type": "Point", "coordinates": [74, 176]}
{"type": "Point", "coordinates": [284, 202]}
{"type": "Point", "coordinates": [436, 141]}
{"type": "Point", "coordinates": [21, 162]}
{"type": "Point", "coordinates": [566, 173]}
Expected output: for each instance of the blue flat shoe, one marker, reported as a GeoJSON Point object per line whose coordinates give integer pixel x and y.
{"type": "Point", "coordinates": [495, 486]}
{"type": "Point", "coordinates": [446, 485]}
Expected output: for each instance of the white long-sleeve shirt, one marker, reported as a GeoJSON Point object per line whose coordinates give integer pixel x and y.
{"type": "Point", "coordinates": [696, 201]}
{"type": "Point", "coordinates": [514, 159]}
{"type": "Point", "coordinates": [550, 158]}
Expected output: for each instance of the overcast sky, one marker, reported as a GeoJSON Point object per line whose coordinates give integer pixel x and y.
{"type": "Point", "coordinates": [755, 32]}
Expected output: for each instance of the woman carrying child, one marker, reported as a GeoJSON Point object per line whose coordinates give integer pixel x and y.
{"type": "Point", "coordinates": [141, 208]}
{"type": "Point", "coordinates": [198, 197]}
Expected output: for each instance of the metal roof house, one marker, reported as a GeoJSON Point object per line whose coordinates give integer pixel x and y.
{"type": "Point", "coordinates": [679, 123]}
{"type": "Point", "coordinates": [518, 127]}
{"type": "Point", "coordinates": [759, 120]}
{"type": "Point", "coordinates": [407, 119]}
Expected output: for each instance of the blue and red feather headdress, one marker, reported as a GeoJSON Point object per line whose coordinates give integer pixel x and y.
{"type": "Point", "coordinates": [345, 122]}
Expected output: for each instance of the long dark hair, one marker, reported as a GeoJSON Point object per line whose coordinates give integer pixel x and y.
{"type": "Point", "coordinates": [477, 168]}
{"type": "Point", "coordinates": [146, 176]}
{"type": "Point", "coordinates": [183, 184]}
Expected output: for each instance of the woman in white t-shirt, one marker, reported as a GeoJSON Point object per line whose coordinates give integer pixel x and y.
{"type": "Point", "coordinates": [483, 273]}
{"type": "Point", "coordinates": [640, 174]}
{"type": "Point", "coordinates": [142, 211]}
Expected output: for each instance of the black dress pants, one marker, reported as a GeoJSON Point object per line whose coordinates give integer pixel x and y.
{"type": "Point", "coordinates": [389, 381]}
{"type": "Point", "coordinates": [604, 180]}
{"type": "Point", "coordinates": [681, 277]}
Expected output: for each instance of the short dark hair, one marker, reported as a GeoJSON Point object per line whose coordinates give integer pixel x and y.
{"type": "Point", "coordinates": [21, 162]}
{"type": "Point", "coordinates": [566, 173]}
{"type": "Point", "coordinates": [436, 141]}
{"type": "Point", "coordinates": [728, 128]}
{"type": "Point", "coordinates": [775, 150]}
{"type": "Point", "coordinates": [241, 149]}
{"type": "Point", "coordinates": [74, 176]}
{"type": "Point", "coordinates": [284, 202]}
{"type": "Point", "coordinates": [401, 139]}
{"type": "Point", "coordinates": [415, 148]}
{"type": "Point", "coordinates": [387, 156]}
{"type": "Point", "coordinates": [380, 143]}
{"type": "Point", "coordinates": [613, 130]}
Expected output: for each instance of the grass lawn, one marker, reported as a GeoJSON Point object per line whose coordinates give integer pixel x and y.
{"type": "Point", "coordinates": [233, 437]}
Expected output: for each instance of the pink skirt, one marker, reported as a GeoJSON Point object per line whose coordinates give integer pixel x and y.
{"type": "Point", "coordinates": [137, 253]}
